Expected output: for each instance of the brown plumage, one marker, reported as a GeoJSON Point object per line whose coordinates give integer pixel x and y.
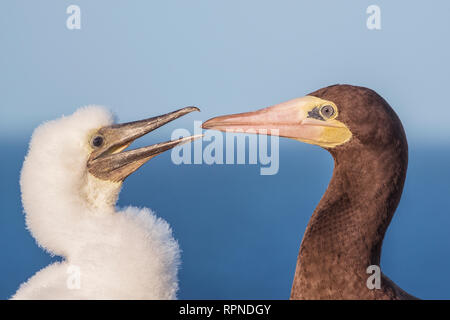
{"type": "Point", "coordinates": [345, 233]}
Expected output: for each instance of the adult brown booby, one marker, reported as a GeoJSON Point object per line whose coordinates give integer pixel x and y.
{"type": "Point", "coordinates": [345, 233]}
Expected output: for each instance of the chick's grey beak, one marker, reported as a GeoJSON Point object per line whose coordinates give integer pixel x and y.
{"type": "Point", "coordinates": [109, 162]}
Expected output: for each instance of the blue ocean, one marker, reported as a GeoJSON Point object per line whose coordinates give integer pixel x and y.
{"type": "Point", "coordinates": [240, 232]}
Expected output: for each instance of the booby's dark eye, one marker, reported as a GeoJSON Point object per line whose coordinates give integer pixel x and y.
{"type": "Point", "coordinates": [97, 141]}
{"type": "Point", "coordinates": [327, 111]}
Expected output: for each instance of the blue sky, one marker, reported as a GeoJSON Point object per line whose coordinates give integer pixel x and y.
{"type": "Point", "coordinates": [142, 58]}
{"type": "Point", "coordinates": [145, 58]}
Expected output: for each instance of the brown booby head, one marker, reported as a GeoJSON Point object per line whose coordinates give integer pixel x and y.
{"type": "Point", "coordinates": [345, 233]}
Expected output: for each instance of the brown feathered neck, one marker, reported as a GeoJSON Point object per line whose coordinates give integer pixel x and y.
{"type": "Point", "coordinates": [345, 233]}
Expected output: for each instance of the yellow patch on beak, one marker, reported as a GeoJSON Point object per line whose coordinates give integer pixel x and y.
{"type": "Point", "coordinates": [323, 114]}
{"type": "Point", "coordinates": [334, 136]}
{"type": "Point", "coordinates": [120, 148]}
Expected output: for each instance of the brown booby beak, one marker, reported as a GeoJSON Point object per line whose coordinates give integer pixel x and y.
{"type": "Point", "coordinates": [308, 119]}
{"type": "Point", "coordinates": [109, 162]}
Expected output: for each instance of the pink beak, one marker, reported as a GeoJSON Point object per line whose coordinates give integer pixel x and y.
{"type": "Point", "coordinates": [288, 119]}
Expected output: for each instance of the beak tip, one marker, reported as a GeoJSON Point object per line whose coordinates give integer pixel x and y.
{"type": "Point", "coordinates": [207, 125]}
{"type": "Point", "coordinates": [193, 108]}
{"type": "Point", "coordinates": [217, 123]}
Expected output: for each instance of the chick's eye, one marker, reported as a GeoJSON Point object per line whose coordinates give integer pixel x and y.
{"type": "Point", "coordinates": [97, 141]}
{"type": "Point", "coordinates": [327, 111]}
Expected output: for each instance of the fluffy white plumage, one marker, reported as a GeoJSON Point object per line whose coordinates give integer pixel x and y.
{"type": "Point", "coordinates": [128, 254]}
